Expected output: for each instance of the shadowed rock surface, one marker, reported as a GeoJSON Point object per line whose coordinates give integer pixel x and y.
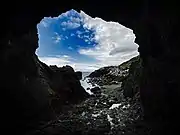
{"type": "Point", "coordinates": [79, 74]}
{"type": "Point", "coordinates": [112, 74]}
{"type": "Point", "coordinates": [35, 92]}
{"type": "Point", "coordinates": [127, 75]}
{"type": "Point", "coordinates": [108, 114]}
{"type": "Point", "coordinates": [155, 25]}
{"type": "Point", "coordinates": [96, 90]}
{"type": "Point", "coordinates": [131, 84]}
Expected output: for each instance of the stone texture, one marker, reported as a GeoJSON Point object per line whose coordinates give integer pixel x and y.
{"type": "Point", "coordinates": [155, 25]}
{"type": "Point", "coordinates": [96, 90]}
{"type": "Point", "coordinates": [131, 84]}
{"type": "Point", "coordinates": [32, 91]}
{"type": "Point", "coordinates": [79, 74]}
{"type": "Point", "coordinates": [125, 72]}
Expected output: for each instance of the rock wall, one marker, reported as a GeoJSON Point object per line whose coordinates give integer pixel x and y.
{"type": "Point", "coordinates": [113, 74]}
{"type": "Point", "coordinates": [131, 84]}
{"type": "Point", "coordinates": [30, 89]}
{"type": "Point", "coordinates": [159, 89]}
{"type": "Point", "coordinates": [108, 75]}
{"type": "Point", "coordinates": [155, 25]}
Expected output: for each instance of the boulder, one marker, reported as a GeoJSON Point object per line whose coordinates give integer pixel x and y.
{"type": "Point", "coordinates": [96, 90]}
{"type": "Point", "coordinates": [66, 84]}
{"type": "Point", "coordinates": [79, 75]}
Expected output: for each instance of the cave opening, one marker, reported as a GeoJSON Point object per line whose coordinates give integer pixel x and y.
{"type": "Point", "coordinates": [83, 42]}
{"type": "Point", "coordinates": [27, 82]}
{"type": "Point", "coordinates": [106, 58]}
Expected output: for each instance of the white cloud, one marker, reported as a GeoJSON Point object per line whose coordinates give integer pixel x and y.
{"type": "Point", "coordinates": [86, 40]}
{"type": "Point", "coordinates": [45, 22]}
{"type": "Point", "coordinates": [79, 32]}
{"type": "Point", "coordinates": [71, 15]}
{"type": "Point", "coordinates": [54, 61]}
{"type": "Point", "coordinates": [75, 19]}
{"type": "Point", "coordinates": [85, 67]}
{"type": "Point", "coordinates": [64, 29]}
{"type": "Point", "coordinates": [86, 36]}
{"type": "Point", "coordinates": [70, 25]}
{"type": "Point", "coordinates": [56, 38]}
{"type": "Point", "coordinates": [70, 48]}
{"type": "Point", "coordinates": [79, 36]}
{"type": "Point", "coordinates": [67, 60]}
{"type": "Point", "coordinates": [115, 41]}
{"type": "Point", "coordinates": [66, 56]}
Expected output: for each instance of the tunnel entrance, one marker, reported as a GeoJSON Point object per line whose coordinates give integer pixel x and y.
{"type": "Point", "coordinates": [27, 81]}
{"type": "Point", "coordinates": [107, 57]}
{"type": "Point", "coordinates": [83, 42]}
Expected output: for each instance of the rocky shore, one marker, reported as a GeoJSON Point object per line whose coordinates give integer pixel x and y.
{"type": "Point", "coordinates": [108, 111]}
{"type": "Point", "coordinates": [106, 114]}
{"type": "Point", "coordinates": [112, 74]}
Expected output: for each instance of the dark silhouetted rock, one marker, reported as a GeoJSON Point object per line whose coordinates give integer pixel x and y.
{"type": "Point", "coordinates": [96, 90]}
{"type": "Point", "coordinates": [111, 74]}
{"type": "Point", "coordinates": [31, 88]}
{"type": "Point", "coordinates": [79, 74]}
{"type": "Point", "coordinates": [66, 84]}
{"type": "Point", "coordinates": [25, 91]}
{"type": "Point", "coordinates": [131, 83]}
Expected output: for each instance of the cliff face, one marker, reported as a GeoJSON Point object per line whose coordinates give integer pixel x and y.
{"type": "Point", "coordinates": [108, 75]}
{"type": "Point", "coordinates": [131, 84]}
{"type": "Point", "coordinates": [159, 87]}
{"type": "Point", "coordinates": [113, 74]}
{"type": "Point", "coordinates": [127, 75]}
{"type": "Point", "coordinates": [31, 90]}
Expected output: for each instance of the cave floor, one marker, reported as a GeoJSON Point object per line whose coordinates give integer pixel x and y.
{"type": "Point", "coordinates": [108, 113]}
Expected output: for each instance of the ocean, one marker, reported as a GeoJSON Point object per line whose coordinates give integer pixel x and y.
{"type": "Point", "coordinates": [84, 82]}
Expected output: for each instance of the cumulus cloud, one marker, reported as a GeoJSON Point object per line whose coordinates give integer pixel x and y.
{"type": "Point", "coordinates": [79, 32]}
{"type": "Point", "coordinates": [115, 41]}
{"type": "Point", "coordinates": [117, 50]}
{"type": "Point", "coordinates": [67, 60]}
{"type": "Point", "coordinates": [64, 29]}
{"type": "Point", "coordinates": [57, 38]}
{"type": "Point", "coordinates": [70, 48]}
{"type": "Point", "coordinates": [86, 40]}
{"type": "Point", "coordinates": [73, 21]}
{"type": "Point", "coordinates": [86, 67]}
{"type": "Point", "coordinates": [45, 22]}
{"type": "Point", "coordinates": [70, 25]}
{"type": "Point", "coordinates": [66, 56]}
{"type": "Point", "coordinates": [72, 34]}
{"type": "Point", "coordinates": [55, 61]}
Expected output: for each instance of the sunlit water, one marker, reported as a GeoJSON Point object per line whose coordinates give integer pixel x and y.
{"type": "Point", "coordinates": [85, 84]}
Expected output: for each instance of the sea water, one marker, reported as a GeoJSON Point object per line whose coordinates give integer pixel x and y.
{"type": "Point", "coordinates": [84, 82]}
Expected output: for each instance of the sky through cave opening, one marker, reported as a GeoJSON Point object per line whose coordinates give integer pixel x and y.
{"type": "Point", "coordinates": [83, 42]}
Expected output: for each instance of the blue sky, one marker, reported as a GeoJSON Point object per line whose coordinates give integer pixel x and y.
{"type": "Point", "coordinates": [85, 43]}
